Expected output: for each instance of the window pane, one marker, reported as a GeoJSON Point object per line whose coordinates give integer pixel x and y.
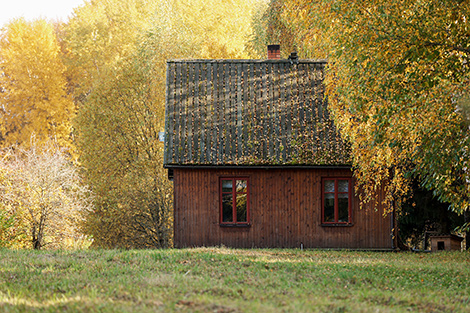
{"type": "Point", "coordinates": [329, 186]}
{"type": "Point", "coordinates": [227, 208]}
{"type": "Point", "coordinates": [226, 185]}
{"type": "Point", "coordinates": [329, 208]}
{"type": "Point", "coordinates": [241, 185]}
{"type": "Point", "coordinates": [343, 185]}
{"type": "Point", "coordinates": [241, 208]}
{"type": "Point", "coordinates": [343, 207]}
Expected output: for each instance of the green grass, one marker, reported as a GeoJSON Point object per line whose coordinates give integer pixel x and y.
{"type": "Point", "coordinates": [227, 280]}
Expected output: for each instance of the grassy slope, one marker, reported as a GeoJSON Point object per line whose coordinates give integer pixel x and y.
{"type": "Point", "coordinates": [225, 280]}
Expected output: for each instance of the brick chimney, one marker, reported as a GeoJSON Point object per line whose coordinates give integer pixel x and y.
{"type": "Point", "coordinates": [274, 52]}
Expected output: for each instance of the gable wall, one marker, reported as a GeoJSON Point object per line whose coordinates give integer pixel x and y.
{"type": "Point", "coordinates": [285, 207]}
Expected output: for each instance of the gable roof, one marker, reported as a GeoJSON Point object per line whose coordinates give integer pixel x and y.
{"type": "Point", "coordinates": [249, 112]}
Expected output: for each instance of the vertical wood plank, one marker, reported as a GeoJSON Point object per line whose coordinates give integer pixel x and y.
{"type": "Point", "coordinates": [239, 109]}
{"type": "Point", "coordinates": [212, 120]}
{"type": "Point", "coordinates": [169, 113]}
{"type": "Point", "coordinates": [208, 112]}
{"type": "Point", "coordinates": [227, 113]}
{"type": "Point", "coordinates": [246, 112]}
{"type": "Point", "coordinates": [285, 212]}
{"type": "Point", "coordinates": [315, 104]}
{"type": "Point", "coordinates": [177, 240]}
{"type": "Point", "coordinates": [233, 112]}
{"type": "Point", "coordinates": [220, 112]}
{"type": "Point", "coordinates": [178, 114]}
{"type": "Point", "coordinates": [283, 113]}
{"type": "Point", "coordinates": [184, 113]}
{"type": "Point", "coordinates": [289, 111]}
{"type": "Point", "coordinates": [190, 122]}
{"type": "Point", "coordinates": [252, 110]}
{"type": "Point", "coordinates": [197, 116]}
{"type": "Point", "coordinates": [270, 110]}
{"type": "Point", "coordinates": [264, 119]}
{"type": "Point", "coordinates": [308, 96]}
{"type": "Point", "coordinates": [300, 90]}
{"type": "Point", "coordinates": [277, 112]}
{"type": "Point", "coordinates": [202, 100]}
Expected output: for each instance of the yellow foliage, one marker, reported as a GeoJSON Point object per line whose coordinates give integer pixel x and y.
{"type": "Point", "coordinates": [218, 28]}
{"type": "Point", "coordinates": [100, 34]}
{"type": "Point", "coordinates": [117, 53]}
{"type": "Point", "coordinates": [34, 89]}
{"type": "Point", "coordinates": [397, 73]}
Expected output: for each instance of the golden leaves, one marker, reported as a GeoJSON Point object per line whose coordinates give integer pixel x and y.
{"type": "Point", "coordinates": [396, 72]}
{"type": "Point", "coordinates": [34, 97]}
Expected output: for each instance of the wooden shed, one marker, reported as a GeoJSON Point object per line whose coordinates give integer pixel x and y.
{"type": "Point", "coordinates": [256, 160]}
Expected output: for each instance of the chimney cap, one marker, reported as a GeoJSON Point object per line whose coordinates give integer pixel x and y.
{"type": "Point", "coordinates": [293, 56]}
{"type": "Point", "coordinates": [274, 47]}
{"type": "Point", "coordinates": [274, 52]}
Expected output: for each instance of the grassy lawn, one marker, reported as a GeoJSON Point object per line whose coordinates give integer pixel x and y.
{"type": "Point", "coordinates": [226, 280]}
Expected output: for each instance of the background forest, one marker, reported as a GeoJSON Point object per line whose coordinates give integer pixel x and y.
{"type": "Point", "coordinates": [82, 103]}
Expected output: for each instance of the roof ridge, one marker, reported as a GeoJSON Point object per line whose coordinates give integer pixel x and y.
{"type": "Point", "coordinates": [303, 61]}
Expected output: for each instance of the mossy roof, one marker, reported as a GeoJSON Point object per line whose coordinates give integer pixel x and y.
{"type": "Point", "coordinates": [249, 112]}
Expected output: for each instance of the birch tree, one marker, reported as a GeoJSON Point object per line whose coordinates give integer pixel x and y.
{"type": "Point", "coordinates": [42, 195]}
{"type": "Point", "coordinates": [398, 87]}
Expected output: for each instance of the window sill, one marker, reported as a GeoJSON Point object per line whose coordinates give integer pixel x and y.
{"type": "Point", "coordinates": [235, 225]}
{"type": "Point", "coordinates": [336, 224]}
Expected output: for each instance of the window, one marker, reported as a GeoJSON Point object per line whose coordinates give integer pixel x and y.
{"type": "Point", "coordinates": [234, 201]}
{"type": "Point", "coordinates": [336, 201]}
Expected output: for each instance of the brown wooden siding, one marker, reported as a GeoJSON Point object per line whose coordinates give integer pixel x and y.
{"type": "Point", "coordinates": [285, 208]}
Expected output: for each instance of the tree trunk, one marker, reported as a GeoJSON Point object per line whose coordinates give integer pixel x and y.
{"type": "Point", "coordinates": [466, 215]}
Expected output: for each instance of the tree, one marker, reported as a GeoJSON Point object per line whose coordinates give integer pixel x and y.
{"type": "Point", "coordinates": [33, 97]}
{"type": "Point", "coordinates": [100, 34]}
{"type": "Point", "coordinates": [7, 219]}
{"type": "Point", "coordinates": [217, 28]}
{"type": "Point", "coordinates": [118, 137]}
{"type": "Point", "coordinates": [422, 215]}
{"type": "Point", "coordinates": [117, 124]}
{"type": "Point", "coordinates": [41, 197]}
{"type": "Point", "coordinates": [269, 27]}
{"type": "Point", "coordinates": [121, 97]}
{"type": "Point", "coordinates": [397, 82]}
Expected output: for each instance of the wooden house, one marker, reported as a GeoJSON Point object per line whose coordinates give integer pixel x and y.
{"type": "Point", "coordinates": [257, 162]}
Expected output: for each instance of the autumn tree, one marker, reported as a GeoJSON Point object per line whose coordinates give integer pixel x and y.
{"type": "Point", "coordinates": [104, 32]}
{"type": "Point", "coordinates": [7, 218]}
{"type": "Point", "coordinates": [217, 28]}
{"type": "Point", "coordinates": [118, 137]}
{"type": "Point", "coordinates": [397, 85]}
{"type": "Point", "coordinates": [270, 27]}
{"type": "Point", "coordinates": [117, 54]}
{"type": "Point", "coordinates": [33, 97]}
{"type": "Point", "coordinates": [41, 197]}
{"type": "Point", "coordinates": [98, 35]}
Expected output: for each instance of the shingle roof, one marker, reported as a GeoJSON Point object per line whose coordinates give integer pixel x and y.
{"type": "Point", "coordinates": [249, 112]}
